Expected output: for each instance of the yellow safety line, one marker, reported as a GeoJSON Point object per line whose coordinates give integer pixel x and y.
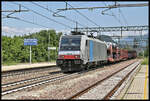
{"type": "Point", "coordinates": [145, 86]}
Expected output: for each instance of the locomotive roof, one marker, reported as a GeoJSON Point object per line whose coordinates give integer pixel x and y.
{"type": "Point", "coordinates": [71, 36]}
{"type": "Point", "coordinates": [78, 36]}
{"type": "Point", "coordinates": [106, 38]}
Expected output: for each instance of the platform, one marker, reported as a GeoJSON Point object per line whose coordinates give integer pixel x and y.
{"type": "Point", "coordinates": [26, 66]}
{"type": "Point", "coordinates": [138, 88]}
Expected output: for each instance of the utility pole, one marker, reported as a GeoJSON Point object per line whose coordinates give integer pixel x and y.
{"type": "Point", "coordinates": [87, 31]}
{"type": "Point", "coordinates": [30, 54]}
{"type": "Point", "coordinates": [49, 47]}
{"type": "Point", "coordinates": [143, 53]}
{"type": "Point", "coordinates": [141, 36]}
{"type": "Point", "coordinates": [120, 36]}
{"type": "Point", "coordinates": [99, 33]}
{"type": "Point", "coordinates": [76, 26]}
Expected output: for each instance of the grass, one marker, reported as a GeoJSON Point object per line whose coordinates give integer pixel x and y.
{"type": "Point", "coordinates": [9, 63]}
{"type": "Point", "coordinates": [145, 61]}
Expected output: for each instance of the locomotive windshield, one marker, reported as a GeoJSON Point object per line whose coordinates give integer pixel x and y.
{"type": "Point", "coordinates": [70, 43]}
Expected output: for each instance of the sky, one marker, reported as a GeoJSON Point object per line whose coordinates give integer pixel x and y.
{"type": "Point", "coordinates": [128, 16]}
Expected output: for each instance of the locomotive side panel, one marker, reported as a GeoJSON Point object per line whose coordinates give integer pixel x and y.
{"type": "Point", "coordinates": [85, 49]}
{"type": "Point", "coordinates": [91, 51]}
{"type": "Point", "coordinates": [98, 51]}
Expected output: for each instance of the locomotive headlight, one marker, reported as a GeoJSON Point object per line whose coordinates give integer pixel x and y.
{"type": "Point", "coordinates": [61, 56]}
{"type": "Point", "coordinates": [77, 56]}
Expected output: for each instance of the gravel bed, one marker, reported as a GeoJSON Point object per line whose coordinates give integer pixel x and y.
{"type": "Point", "coordinates": [26, 76]}
{"type": "Point", "coordinates": [64, 89]}
{"type": "Point", "coordinates": [100, 91]}
{"type": "Point", "coordinates": [31, 82]}
{"type": "Point", "coordinates": [121, 90]}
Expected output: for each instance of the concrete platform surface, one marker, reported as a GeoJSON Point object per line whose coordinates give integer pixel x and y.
{"type": "Point", "coordinates": [139, 87]}
{"type": "Point", "coordinates": [26, 65]}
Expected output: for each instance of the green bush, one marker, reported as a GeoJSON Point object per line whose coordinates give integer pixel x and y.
{"type": "Point", "coordinates": [14, 51]}
{"type": "Point", "coordinates": [145, 61]}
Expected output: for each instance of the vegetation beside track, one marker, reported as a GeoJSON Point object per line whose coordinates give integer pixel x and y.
{"type": "Point", "coordinates": [145, 61]}
{"type": "Point", "coordinates": [14, 51]}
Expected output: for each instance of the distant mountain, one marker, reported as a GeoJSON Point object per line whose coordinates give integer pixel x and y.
{"type": "Point", "coordinates": [129, 40]}
{"type": "Point", "coordinates": [106, 38]}
{"type": "Point", "coordinates": [138, 37]}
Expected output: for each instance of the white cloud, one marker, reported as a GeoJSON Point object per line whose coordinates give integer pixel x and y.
{"type": "Point", "coordinates": [64, 31]}
{"type": "Point", "coordinates": [11, 31]}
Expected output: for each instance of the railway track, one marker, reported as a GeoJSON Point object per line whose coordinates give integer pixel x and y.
{"type": "Point", "coordinates": [28, 83]}
{"type": "Point", "coordinates": [110, 94]}
{"type": "Point", "coordinates": [31, 74]}
{"type": "Point", "coordinates": [20, 85]}
{"type": "Point", "coordinates": [105, 94]}
{"type": "Point", "coordinates": [34, 82]}
{"type": "Point", "coordinates": [27, 71]}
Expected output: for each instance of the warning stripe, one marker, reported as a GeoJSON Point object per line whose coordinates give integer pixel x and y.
{"type": "Point", "coordinates": [145, 86]}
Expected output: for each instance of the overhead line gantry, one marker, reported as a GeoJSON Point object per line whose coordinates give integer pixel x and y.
{"type": "Point", "coordinates": [110, 6]}
{"type": "Point", "coordinates": [110, 29]}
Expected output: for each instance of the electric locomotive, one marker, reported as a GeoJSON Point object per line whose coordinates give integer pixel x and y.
{"type": "Point", "coordinates": [78, 52]}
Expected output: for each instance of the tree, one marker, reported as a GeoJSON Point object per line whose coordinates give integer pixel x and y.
{"type": "Point", "coordinates": [146, 52]}
{"type": "Point", "coordinates": [13, 49]}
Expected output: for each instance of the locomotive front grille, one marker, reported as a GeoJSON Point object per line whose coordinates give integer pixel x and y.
{"type": "Point", "coordinates": [69, 62]}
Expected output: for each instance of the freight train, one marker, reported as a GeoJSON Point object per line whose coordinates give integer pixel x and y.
{"type": "Point", "coordinates": [79, 52]}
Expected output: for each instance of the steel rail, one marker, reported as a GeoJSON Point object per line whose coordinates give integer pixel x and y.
{"type": "Point", "coordinates": [119, 84]}
{"type": "Point", "coordinates": [40, 82]}
{"type": "Point", "coordinates": [36, 84]}
{"type": "Point", "coordinates": [25, 70]}
{"type": "Point", "coordinates": [26, 80]}
{"type": "Point", "coordinates": [95, 84]}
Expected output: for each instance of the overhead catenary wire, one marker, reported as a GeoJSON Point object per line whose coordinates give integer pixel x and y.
{"type": "Point", "coordinates": [16, 18]}
{"type": "Point", "coordinates": [44, 16]}
{"type": "Point", "coordinates": [113, 14]}
{"type": "Point", "coordinates": [123, 16]}
{"type": "Point", "coordinates": [83, 15]}
{"type": "Point", "coordinates": [55, 12]}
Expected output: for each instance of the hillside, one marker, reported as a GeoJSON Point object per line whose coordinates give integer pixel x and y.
{"type": "Point", "coordinates": [129, 40]}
